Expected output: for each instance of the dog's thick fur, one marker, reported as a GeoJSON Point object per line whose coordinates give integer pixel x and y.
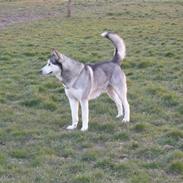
{"type": "Point", "coordinates": [84, 82]}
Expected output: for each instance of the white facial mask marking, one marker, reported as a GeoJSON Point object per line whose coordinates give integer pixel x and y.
{"type": "Point", "coordinates": [50, 68]}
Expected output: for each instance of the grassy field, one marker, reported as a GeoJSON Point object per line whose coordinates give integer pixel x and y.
{"type": "Point", "coordinates": [34, 145]}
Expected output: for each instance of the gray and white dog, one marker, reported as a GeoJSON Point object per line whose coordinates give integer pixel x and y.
{"type": "Point", "coordinates": [83, 82]}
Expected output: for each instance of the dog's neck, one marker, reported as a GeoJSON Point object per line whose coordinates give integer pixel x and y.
{"type": "Point", "coordinates": [69, 84]}
{"type": "Point", "coordinates": [59, 77]}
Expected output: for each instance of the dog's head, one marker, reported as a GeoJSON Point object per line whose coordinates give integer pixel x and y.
{"type": "Point", "coordinates": [54, 64]}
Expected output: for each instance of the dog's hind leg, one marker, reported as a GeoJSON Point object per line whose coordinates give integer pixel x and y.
{"type": "Point", "coordinates": [74, 105]}
{"type": "Point", "coordinates": [114, 96]}
{"type": "Point", "coordinates": [121, 91]}
{"type": "Point", "coordinates": [126, 107]}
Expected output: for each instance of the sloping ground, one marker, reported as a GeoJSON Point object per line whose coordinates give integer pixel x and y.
{"type": "Point", "coordinates": [34, 145]}
{"type": "Point", "coordinates": [22, 11]}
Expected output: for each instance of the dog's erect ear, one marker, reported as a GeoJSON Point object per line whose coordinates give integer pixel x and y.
{"type": "Point", "coordinates": [57, 54]}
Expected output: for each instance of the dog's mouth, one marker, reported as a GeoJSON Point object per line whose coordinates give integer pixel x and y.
{"type": "Point", "coordinates": [51, 72]}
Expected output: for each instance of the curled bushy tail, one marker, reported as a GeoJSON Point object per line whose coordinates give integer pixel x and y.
{"type": "Point", "coordinates": [120, 49]}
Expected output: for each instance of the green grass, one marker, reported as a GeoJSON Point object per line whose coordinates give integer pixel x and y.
{"type": "Point", "coordinates": [34, 111]}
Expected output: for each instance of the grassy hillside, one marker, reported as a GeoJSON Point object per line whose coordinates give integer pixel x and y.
{"type": "Point", "coordinates": [34, 145]}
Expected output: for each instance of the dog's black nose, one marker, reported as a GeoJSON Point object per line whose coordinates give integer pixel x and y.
{"type": "Point", "coordinates": [40, 72]}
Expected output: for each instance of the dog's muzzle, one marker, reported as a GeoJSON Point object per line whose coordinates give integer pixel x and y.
{"type": "Point", "coordinates": [44, 73]}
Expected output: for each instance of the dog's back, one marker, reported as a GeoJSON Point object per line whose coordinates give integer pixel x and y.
{"type": "Point", "coordinates": [106, 73]}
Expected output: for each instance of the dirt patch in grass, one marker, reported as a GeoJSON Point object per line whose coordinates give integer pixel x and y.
{"type": "Point", "coordinates": [9, 20]}
{"type": "Point", "coordinates": [27, 11]}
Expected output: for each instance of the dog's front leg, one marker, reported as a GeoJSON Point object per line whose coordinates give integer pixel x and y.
{"type": "Point", "coordinates": [74, 105]}
{"type": "Point", "coordinates": [85, 114]}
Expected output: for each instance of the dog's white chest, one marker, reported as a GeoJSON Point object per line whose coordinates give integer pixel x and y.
{"type": "Point", "coordinates": [74, 93]}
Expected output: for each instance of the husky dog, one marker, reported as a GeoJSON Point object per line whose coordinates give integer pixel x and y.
{"type": "Point", "coordinates": [83, 82]}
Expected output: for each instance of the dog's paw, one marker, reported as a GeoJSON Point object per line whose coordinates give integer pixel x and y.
{"type": "Point", "coordinates": [125, 120]}
{"type": "Point", "coordinates": [71, 127]}
{"type": "Point", "coordinates": [119, 116]}
{"type": "Point", "coordinates": [83, 129]}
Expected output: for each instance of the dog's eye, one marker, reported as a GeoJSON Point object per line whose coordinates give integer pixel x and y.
{"type": "Point", "coordinates": [49, 64]}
